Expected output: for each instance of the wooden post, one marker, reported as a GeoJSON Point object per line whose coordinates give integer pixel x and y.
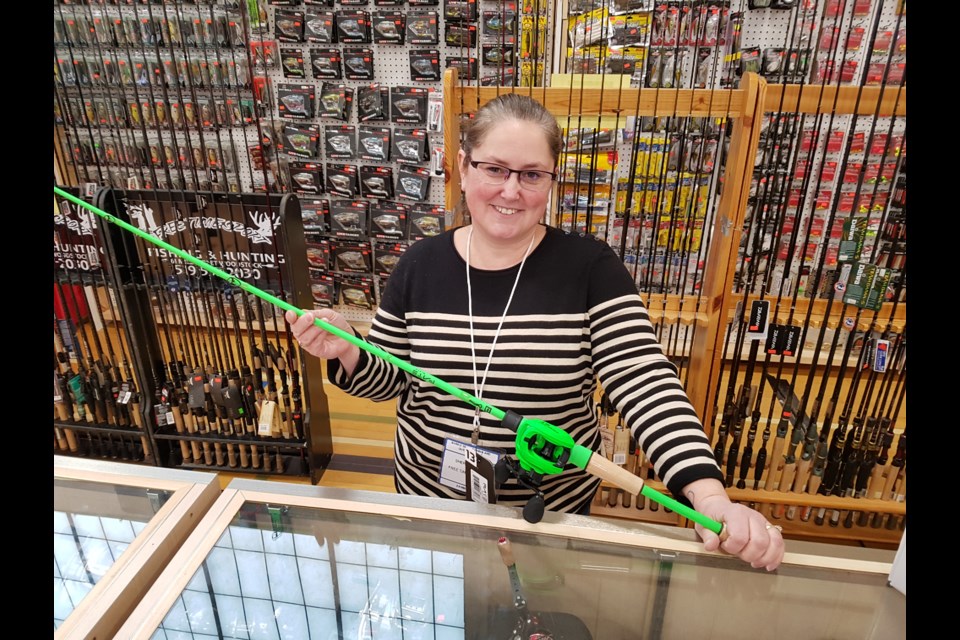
{"type": "Point", "coordinates": [707, 348]}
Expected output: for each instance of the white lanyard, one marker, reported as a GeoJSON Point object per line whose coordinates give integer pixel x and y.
{"type": "Point", "coordinates": [478, 390]}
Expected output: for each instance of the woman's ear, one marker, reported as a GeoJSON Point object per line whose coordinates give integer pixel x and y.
{"type": "Point", "coordinates": [462, 164]}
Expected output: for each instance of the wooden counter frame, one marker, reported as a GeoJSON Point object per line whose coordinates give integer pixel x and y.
{"type": "Point", "coordinates": [103, 610]}
{"type": "Point", "coordinates": [671, 541]}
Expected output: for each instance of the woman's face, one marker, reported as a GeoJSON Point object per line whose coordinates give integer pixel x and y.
{"type": "Point", "coordinates": [507, 211]}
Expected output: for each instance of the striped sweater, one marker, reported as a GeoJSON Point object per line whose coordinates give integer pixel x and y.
{"type": "Point", "coordinates": [576, 318]}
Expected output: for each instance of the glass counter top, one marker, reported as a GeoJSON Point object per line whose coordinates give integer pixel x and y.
{"type": "Point", "coordinates": [314, 563]}
{"type": "Point", "coordinates": [93, 524]}
{"type": "Point", "coordinates": [114, 527]}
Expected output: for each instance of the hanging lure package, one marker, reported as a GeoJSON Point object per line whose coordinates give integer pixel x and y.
{"type": "Point", "coordinates": [388, 219]}
{"type": "Point", "coordinates": [340, 142]}
{"type": "Point", "coordinates": [318, 255]}
{"type": "Point", "coordinates": [373, 101]}
{"type": "Point", "coordinates": [374, 143]}
{"type": "Point", "coordinates": [499, 23]}
{"type": "Point", "coordinates": [498, 53]}
{"type": "Point", "coordinates": [408, 105]}
{"type": "Point", "coordinates": [423, 27]}
{"type": "Point", "coordinates": [295, 100]}
{"type": "Point", "coordinates": [353, 27]}
{"type": "Point", "coordinates": [459, 35]}
{"type": "Point", "coordinates": [435, 112]}
{"type": "Point", "coordinates": [314, 212]}
{"type": "Point", "coordinates": [466, 66]}
{"type": "Point", "coordinates": [271, 131]}
{"type": "Point", "coordinates": [425, 220]}
{"type": "Point", "coordinates": [349, 255]}
{"type": "Point", "coordinates": [501, 76]}
{"type": "Point", "coordinates": [386, 255]}
{"type": "Point", "coordinates": [325, 64]}
{"type": "Point", "coordinates": [376, 182]}
{"type": "Point", "coordinates": [670, 68]}
{"type": "Point", "coordinates": [358, 292]}
{"type": "Point", "coordinates": [291, 61]}
{"type": "Point", "coordinates": [625, 61]}
{"type": "Point", "coordinates": [772, 65]}
{"type": "Point", "coordinates": [424, 65]}
{"type": "Point", "coordinates": [628, 30]}
{"type": "Point", "coordinates": [358, 63]}
{"type": "Point", "coordinates": [288, 25]}
{"type": "Point", "coordinates": [306, 177]}
{"type": "Point", "coordinates": [323, 289]}
{"type": "Point", "coordinates": [750, 60]}
{"type": "Point", "coordinates": [410, 146]}
{"type": "Point", "coordinates": [334, 101]}
{"type": "Point", "coordinates": [389, 26]}
{"type": "Point", "coordinates": [319, 27]}
{"type": "Point", "coordinates": [460, 10]}
{"type": "Point", "coordinates": [413, 183]}
{"type": "Point", "coordinates": [342, 180]}
{"type": "Point", "coordinates": [300, 140]}
{"type": "Point", "coordinates": [348, 217]}
{"type": "Point", "coordinates": [701, 74]}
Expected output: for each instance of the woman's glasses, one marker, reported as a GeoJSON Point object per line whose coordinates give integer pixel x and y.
{"type": "Point", "coordinates": [530, 179]}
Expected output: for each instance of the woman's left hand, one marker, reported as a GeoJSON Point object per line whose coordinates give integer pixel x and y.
{"type": "Point", "coordinates": [749, 535]}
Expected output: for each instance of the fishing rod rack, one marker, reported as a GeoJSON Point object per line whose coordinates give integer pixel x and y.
{"type": "Point", "coordinates": [703, 327]}
{"type": "Point", "coordinates": [158, 362]}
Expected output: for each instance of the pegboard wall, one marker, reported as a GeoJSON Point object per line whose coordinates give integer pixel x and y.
{"type": "Point", "coordinates": [205, 95]}
{"type": "Point", "coordinates": [274, 95]}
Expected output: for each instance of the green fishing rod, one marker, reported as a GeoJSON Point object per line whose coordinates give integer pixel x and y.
{"type": "Point", "coordinates": [541, 447]}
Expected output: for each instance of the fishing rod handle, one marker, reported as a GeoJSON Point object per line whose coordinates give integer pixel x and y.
{"type": "Point", "coordinates": [615, 474]}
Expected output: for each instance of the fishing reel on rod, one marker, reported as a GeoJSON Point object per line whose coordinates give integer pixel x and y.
{"type": "Point", "coordinates": [507, 467]}
{"type": "Point", "coordinates": [542, 449]}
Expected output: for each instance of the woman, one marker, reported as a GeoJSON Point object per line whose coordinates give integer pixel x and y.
{"type": "Point", "coordinates": [527, 318]}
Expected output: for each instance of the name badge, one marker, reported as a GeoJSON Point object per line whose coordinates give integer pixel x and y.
{"type": "Point", "coordinates": [453, 468]}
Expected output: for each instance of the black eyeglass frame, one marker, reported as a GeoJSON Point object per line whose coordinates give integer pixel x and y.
{"type": "Point", "coordinates": [519, 172]}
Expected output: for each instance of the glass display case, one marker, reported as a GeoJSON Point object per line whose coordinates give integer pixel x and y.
{"type": "Point", "coordinates": [306, 562]}
{"type": "Point", "coordinates": [115, 527]}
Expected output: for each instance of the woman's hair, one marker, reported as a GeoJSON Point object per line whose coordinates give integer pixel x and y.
{"type": "Point", "coordinates": [509, 106]}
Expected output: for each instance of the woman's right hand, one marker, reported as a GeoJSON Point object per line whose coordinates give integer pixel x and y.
{"type": "Point", "coordinates": [322, 343]}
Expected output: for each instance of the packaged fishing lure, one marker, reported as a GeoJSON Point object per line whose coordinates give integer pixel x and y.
{"type": "Point", "coordinates": [295, 100]}
{"type": "Point", "coordinates": [376, 182]}
{"type": "Point", "coordinates": [288, 26]}
{"type": "Point", "coordinates": [340, 142]}
{"type": "Point", "coordinates": [349, 217]}
{"type": "Point", "coordinates": [318, 27]}
{"type": "Point", "coordinates": [291, 61]}
{"type": "Point", "coordinates": [342, 180]}
{"type": "Point", "coordinates": [353, 27]}
{"type": "Point", "coordinates": [389, 26]}
{"type": "Point", "coordinates": [424, 65]}
{"type": "Point", "coordinates": [388, 219]}
{"type": "Point", "coordinates": [358, 63]}
{"type": "Point", "coordinates": [325, 64]}
{"type": "Point", "coordinates": [408, 105]}
{"type": "Point", "coordinates": [335, 100]}
{"type": "Point", "coordinates": [410, 146]}
{"type": "Point", "coordinates": [374, 143]}
{"type": "Point", "coordinates": [373, 102]}
{"type": "Point", "coordinates": [300, 140]}
{"type": "Point", "coordinates": [425, 220]}
{"type": "Point", "coordinates": [413, 183]}
{"type": "Point", "coordinates": [423, 27]}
